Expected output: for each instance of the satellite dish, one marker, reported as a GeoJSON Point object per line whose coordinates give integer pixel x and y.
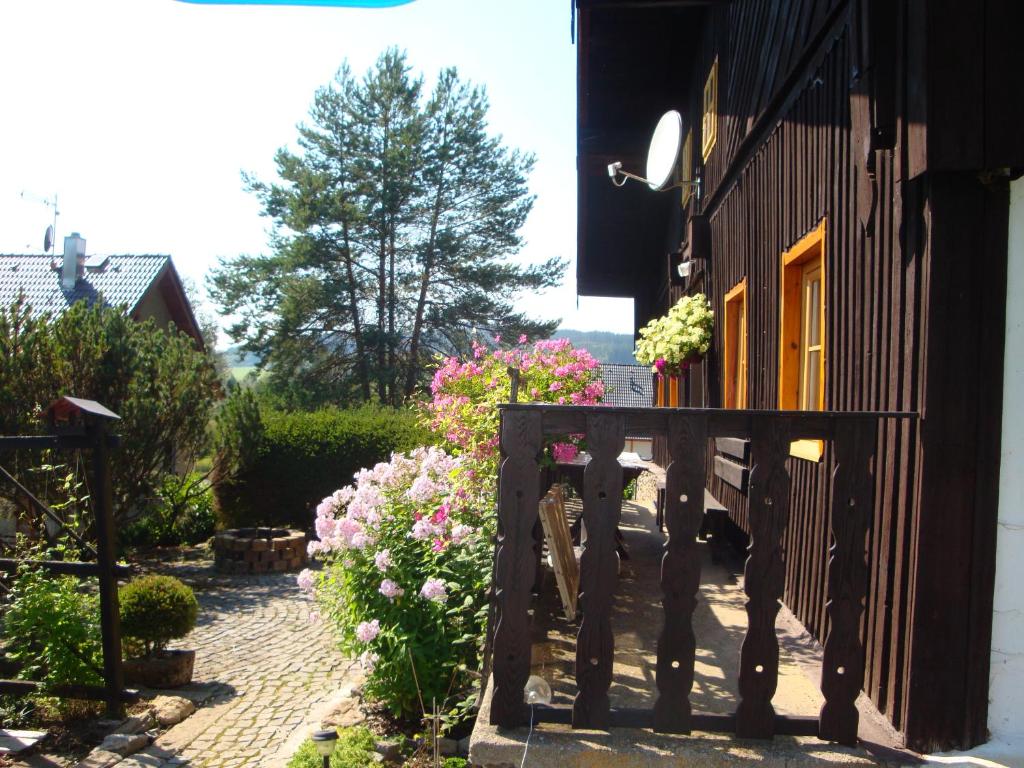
{"type": "Point", "coordinates": [664, 151]}
{"type": "Point", "coordinates": [48, 239]}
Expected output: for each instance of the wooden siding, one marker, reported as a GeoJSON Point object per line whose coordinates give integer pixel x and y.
{"type": "Point", "coordinates": [792, 149]}
{"type": "Point", "coordinates": [804, 172]}
{"type": "Point", "coordinates": [851, 112]}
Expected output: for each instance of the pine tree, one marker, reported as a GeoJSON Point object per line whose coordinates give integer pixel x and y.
{"type": "Point", "coordinates": [395, 226]}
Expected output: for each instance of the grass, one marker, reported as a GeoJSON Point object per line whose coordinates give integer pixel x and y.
{"type": "Point", "coordinates": [240, 372]}
{"type": "Point", "coordinates": [355, 750]}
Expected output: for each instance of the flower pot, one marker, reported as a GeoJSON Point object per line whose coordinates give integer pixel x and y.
{"type": "Point", "coordinates": [168, 669]}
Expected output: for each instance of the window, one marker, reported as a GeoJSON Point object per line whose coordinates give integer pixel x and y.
{"type": "Point", "coordinates": [734, 371]}
{"type": "Point", "coordinates": [686, 166]}
{"type": "Point", "coordinates": [709, 123]}
{"type": "Point", "coordinates": [666, 391]}
{"type": "Point", "coordinates": [802, 348]}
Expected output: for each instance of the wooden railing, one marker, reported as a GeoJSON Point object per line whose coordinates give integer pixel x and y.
{"type": "Point", "coordinates": [523, 428]}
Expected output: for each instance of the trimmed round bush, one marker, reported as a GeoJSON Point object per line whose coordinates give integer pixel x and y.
{"type": "Point", "coordinates": [156, 610]}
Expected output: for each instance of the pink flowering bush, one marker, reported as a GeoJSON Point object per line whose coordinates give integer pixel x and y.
{"type": "Point", "coordinates": [407, 548]}
{"type": "Point", "coordinates": [463, 413]}
{"type": "Point", "coordinates": [407, 563]}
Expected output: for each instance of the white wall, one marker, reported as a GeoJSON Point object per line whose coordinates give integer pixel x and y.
{"type": "Point", "coordinates": [1006, 689]}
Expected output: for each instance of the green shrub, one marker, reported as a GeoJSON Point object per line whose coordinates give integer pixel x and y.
{"type": "Point", "coordinates": [355, 749]}
{"type": "Point", "coordinates": [182, 513]}
{"type": "Point", "coordinates": [278, 477]}
{"type": "Point", "coordinates": [154, 378]}
{"type": "Point", "coordinates": [156, 610]}
{"type": "Point", "coordinates": [53, 630]}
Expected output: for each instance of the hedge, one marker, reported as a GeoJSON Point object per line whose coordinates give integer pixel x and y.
{"type": "Point", "coordinates": [302, 457]}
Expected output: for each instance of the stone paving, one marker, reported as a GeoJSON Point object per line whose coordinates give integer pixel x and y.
{"type": "Point", "coordinates": [263, 668]}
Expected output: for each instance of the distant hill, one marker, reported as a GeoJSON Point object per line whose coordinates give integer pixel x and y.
{"type": "Point", "coordinates": [236, 357]}
{"type": "Point", "coordinates": [606, 347]}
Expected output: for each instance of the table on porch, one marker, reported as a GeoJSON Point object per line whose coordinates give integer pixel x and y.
{"type": "Point", "coordinates": [632, 467]}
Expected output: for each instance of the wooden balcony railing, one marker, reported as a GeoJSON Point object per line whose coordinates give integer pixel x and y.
{"type": "Point", "coordinates": [523, 427]}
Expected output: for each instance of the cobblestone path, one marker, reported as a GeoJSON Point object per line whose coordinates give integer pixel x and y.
{"type": "Point", "coordinates": [266, 668]}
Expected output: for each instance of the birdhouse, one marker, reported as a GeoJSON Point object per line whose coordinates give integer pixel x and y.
{"type": "Point", "coordinates": [70, 415]}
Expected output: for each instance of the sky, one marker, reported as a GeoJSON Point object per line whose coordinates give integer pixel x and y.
{"type": "Point", "coordinates": [139, 116]}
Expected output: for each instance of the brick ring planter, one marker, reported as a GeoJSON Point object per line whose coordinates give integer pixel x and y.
{"type": "Point", "coordinates": [259, 550]}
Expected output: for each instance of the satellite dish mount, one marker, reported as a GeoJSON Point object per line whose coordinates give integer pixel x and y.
{"type": "Point", "coordinates": [662, 158]}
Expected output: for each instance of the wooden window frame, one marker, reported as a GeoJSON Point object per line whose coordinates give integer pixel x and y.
{"type": "Point", "coordinates": [734, 344]}
{"type": "Point", "coordinates": [686, 166]}
{"type": "Point", "coordinates": [666, 385]}
{"type": "Point", "coordinates": [709, 112]}
{"type": "Point", "coordinates": [793, 347]}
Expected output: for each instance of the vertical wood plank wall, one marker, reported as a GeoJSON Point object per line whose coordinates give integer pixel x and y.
{"type": "Point", "coordinates": [806, 169]}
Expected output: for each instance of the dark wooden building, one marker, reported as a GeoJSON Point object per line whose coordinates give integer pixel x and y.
{"type": "Point", "coordinates": [850, 230]}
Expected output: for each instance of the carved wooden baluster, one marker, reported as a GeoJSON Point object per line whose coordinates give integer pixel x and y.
{"type": "Point", "coordinates": [764, 576]}
{"type": "Point", "coordinates": [602, 506]}
{"type": "Point", "coordinates": [518, 490]}
{"type": "Point", "coordinates": [680, 570]}
{"type": "Point", "coordinates": [842, 671]}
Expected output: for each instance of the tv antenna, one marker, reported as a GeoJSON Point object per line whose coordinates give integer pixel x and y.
{"type": "Point", "coordinates": [51, 231]}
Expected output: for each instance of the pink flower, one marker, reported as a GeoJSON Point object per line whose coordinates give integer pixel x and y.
{"type": "Point", "coordinates": [314, 617]}
{"type": "Point", "coordinates": [522, 338]}
{"type": "Point", "coordinates": [434, 589]}
{"type": "Point", "coordinates": [368, 630]}
{"type": "Point", "coordinates": [382, 560]}
{"type": "Point", "coordinates": [423, 489]}
{"type": "Point", "coordinates": [305, 580]}
{"type": "Point", "coordinates": [555, 386]}
{"type": "Point", "coordinates": [564, 452]}
{"type": "Point", "coordinates": [422, 529]}
{"type": "Point", "coordinates": [390, 589]}
{"type": "Point", "coordinates": [438, 545]}
{"type": "Point", "coordinates": [659, 365]}
{"type": "Point", "coordinates": [497, 338]}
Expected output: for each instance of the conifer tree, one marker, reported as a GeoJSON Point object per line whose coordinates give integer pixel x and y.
{"type": "Point", "coordinates": [395, 227]}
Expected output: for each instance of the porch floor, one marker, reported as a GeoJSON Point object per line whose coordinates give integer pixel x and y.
{"type": "Point", "coordinates": [719, 624]}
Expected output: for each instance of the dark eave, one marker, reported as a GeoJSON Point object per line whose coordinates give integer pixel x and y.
{"type": "Point", "coordinates": [633, 61]}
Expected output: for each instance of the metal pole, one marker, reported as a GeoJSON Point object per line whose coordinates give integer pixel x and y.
{"type": "Point", "coordinates": [102, 496]}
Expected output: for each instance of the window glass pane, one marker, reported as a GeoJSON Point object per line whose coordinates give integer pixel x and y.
{"type": "Point", "coordinates": [814, 312]}
{"type": "Point", "coordinates": [741, 357]}
{"type": "Point", "coordinates": [736, 363]}
{"type": "Point", "coordinates": [813, 380]}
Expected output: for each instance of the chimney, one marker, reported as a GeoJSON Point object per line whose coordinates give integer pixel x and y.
{"type": "Point", "coordinates": [74, 258]}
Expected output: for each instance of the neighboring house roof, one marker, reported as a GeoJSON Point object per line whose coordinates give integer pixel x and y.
{"type": "Point", "coordinates": [121, 280]}
{"type": "Point", "coordinates": [627, 385]}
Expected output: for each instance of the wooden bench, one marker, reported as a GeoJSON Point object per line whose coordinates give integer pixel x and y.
{"type": "Point", "coordinates": [715, 518]}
